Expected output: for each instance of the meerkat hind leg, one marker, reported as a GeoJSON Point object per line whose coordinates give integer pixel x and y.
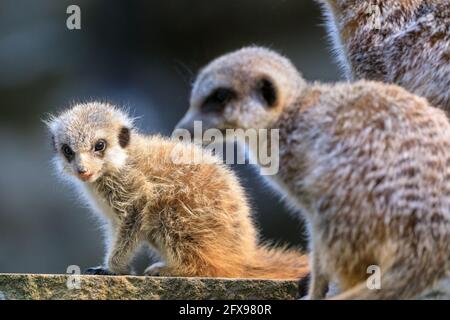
{"type": "Point", "coordinates": [397, 282]}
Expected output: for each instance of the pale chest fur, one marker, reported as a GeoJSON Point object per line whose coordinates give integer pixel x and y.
{"type": "Point", "coordinates": [100, 205]}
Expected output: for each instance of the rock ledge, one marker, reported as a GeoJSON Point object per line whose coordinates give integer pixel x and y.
{"type": "Point", "coordinates": [44, 287]}
{"type": "Point", "coordinates": [40, 287]}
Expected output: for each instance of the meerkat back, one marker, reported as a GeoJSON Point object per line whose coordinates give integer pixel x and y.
{"type": "Point", "coordinates": [401, 42]}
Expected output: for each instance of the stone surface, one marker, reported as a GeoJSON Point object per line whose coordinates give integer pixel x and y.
{"type": "Point", "coordinates": [34, 286]}
{"type": "Point", "coordinates": [38, 286]}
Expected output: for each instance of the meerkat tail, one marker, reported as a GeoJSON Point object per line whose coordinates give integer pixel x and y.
{"type": "Point", "coordinates": [278, 263]}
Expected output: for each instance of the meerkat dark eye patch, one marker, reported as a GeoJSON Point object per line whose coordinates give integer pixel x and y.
{"type": "Point", "coordinates": [124, 137]}
{"type": "Point", "coordinates": [217, 100]}
{"type": "Point", "coordinates": [268, 92]}
{"type": "Point", "coordinates": [67, 152]}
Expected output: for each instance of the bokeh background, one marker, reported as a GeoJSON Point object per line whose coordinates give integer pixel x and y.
{"type": "Point", "coordinates": [140, 54]}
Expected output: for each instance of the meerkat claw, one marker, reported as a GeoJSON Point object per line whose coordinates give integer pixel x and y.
{"type": "Point", "coordinates": [155, 269]}
{"type": "Point", "coordinates": [101, 271]}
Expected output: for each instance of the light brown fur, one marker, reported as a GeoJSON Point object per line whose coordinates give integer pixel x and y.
{"type": "Point", "coordinates": [195, 215]}
{"type": "Point", "coordinates": [406, 42]}
{"type": "Point", "coordinates": [367, 163]}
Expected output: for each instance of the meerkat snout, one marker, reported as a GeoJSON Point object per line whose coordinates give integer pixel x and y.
{"type": "Point", "coordinates": [247, 88]}
{"type": "Point", "coordinates": [85, 148]}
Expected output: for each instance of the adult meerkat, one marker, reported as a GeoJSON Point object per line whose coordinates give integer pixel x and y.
{"type": "Point", "coordinates": [367, 163]}
{"type": "Point", "coordinates": [194, 214]}
{"type": "Point", "coordinates": [405, 42]}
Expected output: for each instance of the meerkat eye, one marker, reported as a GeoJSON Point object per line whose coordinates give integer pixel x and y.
{"type": "Point", "coordinates": [68, 152]}
{"type": "Point", "coordinates": [268, 92]}
{"type": "Point", "coordinates": [100, 145]}
{"type": "Point", "coordinates": [217, 101]}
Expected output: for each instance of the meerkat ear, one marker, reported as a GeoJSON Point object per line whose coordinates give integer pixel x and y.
{"type": "Point", "coordinates": [124, 137]}
{"type": "Point", "coordinates": [268, 92]}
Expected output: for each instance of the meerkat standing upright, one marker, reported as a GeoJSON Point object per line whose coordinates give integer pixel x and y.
{"type": "Point", "coordinates": [368, 164]}
{"type": "Point", "coordinates": [402, 42]}
{"type": "Point", "coordinates": [194, 213]}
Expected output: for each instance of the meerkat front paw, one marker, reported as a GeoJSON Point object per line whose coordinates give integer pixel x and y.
{"type": "Point", "coordinates": [155, 269]}
{"type": "Point", "coordinates": [100, 270]}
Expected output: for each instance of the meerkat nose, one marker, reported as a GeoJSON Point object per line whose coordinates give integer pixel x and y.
{"type": "Point", "coordinates": [85, 175]}
{"type": "Point", "coordinates": [81, 170]}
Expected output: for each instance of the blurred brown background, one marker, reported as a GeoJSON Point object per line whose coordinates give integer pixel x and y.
{"type": "Point", "coordinates": [141, 54]}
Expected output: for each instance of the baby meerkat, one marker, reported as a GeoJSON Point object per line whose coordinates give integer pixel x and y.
{"type": "Point", "coordinates": [195, 215]}
{"type": "Point", "coordinates": [367, 163]}
{"type": "Point", "coordinates": [403, 42]}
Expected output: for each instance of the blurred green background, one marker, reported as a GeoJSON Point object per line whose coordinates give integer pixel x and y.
{"type": "Point", "coordinates": [140, 54]}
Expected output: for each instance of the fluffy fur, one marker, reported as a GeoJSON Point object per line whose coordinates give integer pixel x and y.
{"type": "Point", "coordinates": [367, 163]}
{"type": "Point", "coordinates": [406, 42]}
{"type": "Point", "coordinates": [195, 216]}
